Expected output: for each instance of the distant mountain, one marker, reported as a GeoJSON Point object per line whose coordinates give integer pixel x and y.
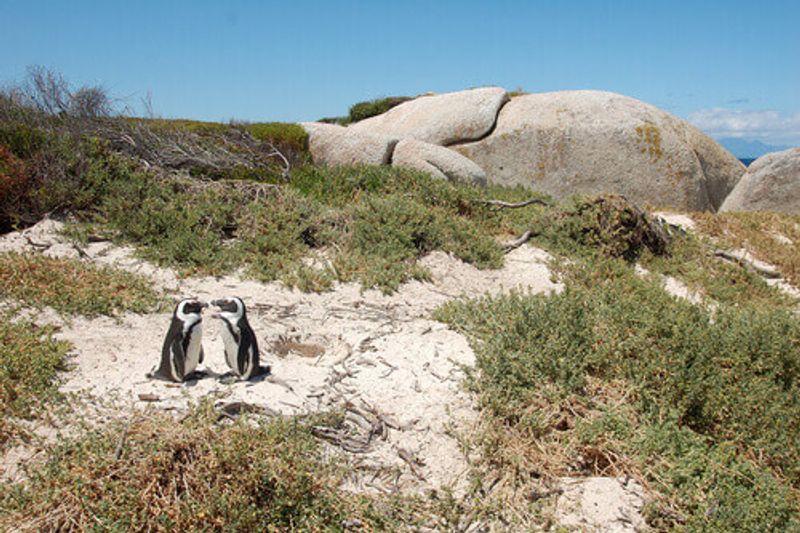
{"type": "Point", "coordinates": [747, 148]}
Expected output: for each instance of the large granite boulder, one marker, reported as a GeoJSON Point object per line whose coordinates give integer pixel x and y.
{"type": "Point", "coordinates": [438, 161]}
{"type": "Point", "coordinates": [442, 119]}
{"type": "Point", "coordinates": [591, 142]}
{"type": "Point", "coordinates": [771, 183]}
{"type": "Point", "coordinates": [332, 145]}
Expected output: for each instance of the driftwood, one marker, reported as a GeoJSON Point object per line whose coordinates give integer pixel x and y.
{"type": "Point", "coordinates": [149, 397]}
{"type": "Point", "coordinates": [767, 272]}
{"type": "Point", "coordinates": [233, 410]}
{"type": "Point", "coordinates": [516, 243]}
{"type": "Point", "coordinates": [357, 433]}
{"type": "Point", "coordinates": [499, 204]}
{"type": "Point", "coordinates": [414, 463]}
{"type": "Point", "coordinates": [123, 438]}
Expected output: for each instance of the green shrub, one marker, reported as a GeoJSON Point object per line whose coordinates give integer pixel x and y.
{"type": "Point", "coordinates": [198, 475]}
{"type": "Point", "coordinates": [29, 361]}
{"type": "Point", "coordinates": [731, 381]}
{"type": "Point", "coordinates": [194, 126]}
{"type": "Point", "coordinates": [280, 134]}
{"type": "Point", "coordinates": [369, 224]}
{"type": "Point", "coordinates": [393, 231]}
{"type": "Point", "coordinates": [22, 139]}
{"type": "Point", "coordinates": [371, 108]}
{"type": "Point", "coordinates": [72, 286]}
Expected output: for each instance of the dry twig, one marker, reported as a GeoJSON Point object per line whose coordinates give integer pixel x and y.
{"type": "Point", "coordinates": [499, 204]}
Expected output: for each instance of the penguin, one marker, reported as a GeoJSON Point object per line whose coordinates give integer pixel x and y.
{"type": "Point", "coordinates": [183, 348]}
{"type": "Point", "coordinates": [241, 346]}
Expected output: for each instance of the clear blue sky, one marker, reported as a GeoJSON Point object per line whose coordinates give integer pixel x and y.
{"type": "Point", "coordinates": [723, 64]}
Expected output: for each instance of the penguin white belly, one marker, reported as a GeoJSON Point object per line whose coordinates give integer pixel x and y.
{"type": "Point", "coordinates": [231, 346]}
{"type": "Point", "coordinates": [193, 351]}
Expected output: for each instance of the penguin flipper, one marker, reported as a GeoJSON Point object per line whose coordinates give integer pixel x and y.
{"type": "Point", "coordinates": [178, 360]}
{"type": "Point", "coordinates": [244, 357]}
{"type": "Point", "coordinates": [202, 355]}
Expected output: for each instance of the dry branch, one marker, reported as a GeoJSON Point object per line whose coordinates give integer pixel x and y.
{"type": "Point", "coordinates": [499, 204]}
{"type": "Point", "coordinates": [516, 243]}
{"type": "Point", "coordinates": [122, 439]}
{"type": "Point", "coordinates": [764, 271]}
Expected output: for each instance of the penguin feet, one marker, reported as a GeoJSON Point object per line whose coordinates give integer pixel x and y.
{"type": "Point", "coordinates": [197, 374]}
{"type": "Point", "coordinates": [229, 378]}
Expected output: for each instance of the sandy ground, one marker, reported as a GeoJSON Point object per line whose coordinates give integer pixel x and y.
{"type": "Point", "coordinates": [397, 373]}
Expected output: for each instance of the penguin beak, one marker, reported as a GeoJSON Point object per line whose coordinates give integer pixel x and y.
{"type": "Point", "coordinates": [216, 302]}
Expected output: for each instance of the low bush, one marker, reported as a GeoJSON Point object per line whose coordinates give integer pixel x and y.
{"type": "Point", "coordinates": [709, 403]}
{"type": "Point", "coordinates": [30, 358]}
{"type": "Point", "coordinates": [370, 224]}
{"type": "Point", "coordinates": [197, 475]}
{"type": "Point", "coordinates": [280, 133]}
{"type": "Point", "coordinates": [378, 106]}
{"type": "Point", "coordinates": [72, 286]}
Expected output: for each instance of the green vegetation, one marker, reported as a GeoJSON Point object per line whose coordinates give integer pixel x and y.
{"type": "Point", "coordinates": [368, 224]}
{"type": "Point", "coordinates": [370, 108]}
{"type": "Point", "coordinates": [73, 287]}
{"type": "Point", "coordinates": [378, 106]}
{"type": "Point", "coordinates": [29, 360]}
{"type": "Point", "coordinates": [614, 375]}
{"type": "Point", "coordinates": [198, 475]}
{"type": "Point", "coordinates": [280, 133]}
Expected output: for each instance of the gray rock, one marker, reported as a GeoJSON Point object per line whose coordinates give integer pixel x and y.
{"type": "Point", "coordinates": [595, 142]}
{"type": "Point", "coordinates": [333, 145]}
{"type": "Point", "coordinates": [440, 119]}
{"type": "Point", "coordinates": [771, 183]}
{"type": "Point", "coordinates": [438, 161]}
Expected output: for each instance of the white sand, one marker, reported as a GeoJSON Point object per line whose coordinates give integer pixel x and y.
{"type": "Point", "coordinates": [601, 505]}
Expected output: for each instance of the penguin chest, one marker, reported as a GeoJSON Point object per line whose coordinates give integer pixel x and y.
{"type": "Point", "coordinates": [193, 349]}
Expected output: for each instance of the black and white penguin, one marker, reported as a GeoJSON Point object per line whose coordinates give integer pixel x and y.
{"type": "Point", "coordinates": [241, 346]}
{"type": "Point", "coordinates": [183, 348]}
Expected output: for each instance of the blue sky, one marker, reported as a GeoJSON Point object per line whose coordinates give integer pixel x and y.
{"type": "Point", "coordinates": [731, 67]}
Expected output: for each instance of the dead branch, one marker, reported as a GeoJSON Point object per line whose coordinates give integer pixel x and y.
{"type": "Point", "coordinates": [516, 243]}
{"type": "Point", "coordinates": [769, 273]}
{"type": "Point", "coordinates": [499, 204]}
{"type": "Point", "coordinates": [122, 439]}
{"type": "Point", "coordinates": [233, 410]}
{"type": "Point", "coordinates": [37, 245]}
{"type": "Point", "coordinates": [413, 462]}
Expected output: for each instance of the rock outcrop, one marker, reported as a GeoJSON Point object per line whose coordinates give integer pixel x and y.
{"type": "Point", "coordinates": [333, 145]}
{"type": "Point", "coordinates": [438, 161]}
{"type": "Point", "coordinates": [561, 143]}
{"type": "Point", "coordinates": [442, 119]}
{"type": "Point", "coordinates": [591, 142]}
{"type": "Point", "coordinates": [771, 183]}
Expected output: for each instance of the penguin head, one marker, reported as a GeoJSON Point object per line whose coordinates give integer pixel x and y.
{"type": "Point", "coordinates": [189, 307]}
{"type": "Point", "coordinates": [231, 307]}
